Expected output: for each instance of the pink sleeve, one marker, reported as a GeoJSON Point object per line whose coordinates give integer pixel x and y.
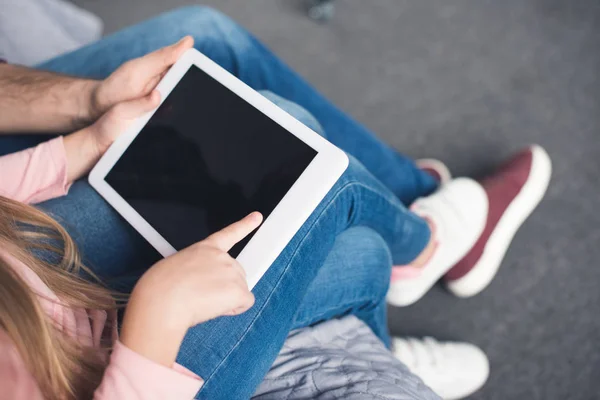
{"type": "Point", "coordinates": [15, 380]}
{"type": "Point", "coordinates": [134, 377]}
{"type": "Point", "coordinates": [35, 174]}
{"type": "Point", "coordinates": [128, 376]}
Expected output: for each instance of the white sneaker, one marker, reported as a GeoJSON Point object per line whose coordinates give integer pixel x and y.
{"type": "Point", "coordinates": [452, 370]}
{"type": "Point", "coordinates": [437, 169]}
{"type": "Point", "coordinates": [458, 212]}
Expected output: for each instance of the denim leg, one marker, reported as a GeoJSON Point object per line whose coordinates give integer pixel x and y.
{"type": "Point", "coordinates": [241, 349]}
{"type": "Point", "coordinates": [236, 50]}
{"type": "Point", "coordinates": [359, 264]}
{"type": "Point", "coordinates": [354, 279]}
{"type": "Point", "coordinates": [109, 245]}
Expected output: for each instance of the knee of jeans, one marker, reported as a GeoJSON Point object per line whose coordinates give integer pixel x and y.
{"type": "Point", "coordinates": [368, 245]}
{"type": "Point", "coordinates": [296, 111]}
{"type": "Point", "coordinates": [208, 26]}
{"type": "Point", "coordinates": [355, 172]}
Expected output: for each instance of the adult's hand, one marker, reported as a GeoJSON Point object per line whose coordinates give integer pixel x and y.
{"type": "Point", "coordinates": [117, 101]}
{"type": "Point", "coordinates": [136, 78]}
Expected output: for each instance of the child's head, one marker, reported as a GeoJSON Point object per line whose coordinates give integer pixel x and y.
{"type": "Point", "coordinates": [62, 367]}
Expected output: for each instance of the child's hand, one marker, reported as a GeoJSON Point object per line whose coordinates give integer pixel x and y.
{"type": "Point", "coordinates": [85, 147]}
{"type": "Point", "coordinates": [203, 280]}
{"type": "Point", "coordinates": [116, 121]}
{"type": "Point", "coordinates": [195, 285]}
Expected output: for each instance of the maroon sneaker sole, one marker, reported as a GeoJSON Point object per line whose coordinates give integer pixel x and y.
{"type": "Point", "coordinates": [513, 193]}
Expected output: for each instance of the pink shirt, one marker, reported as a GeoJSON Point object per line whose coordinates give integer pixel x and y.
{"type": "Point", "coordinates": [39, 174]}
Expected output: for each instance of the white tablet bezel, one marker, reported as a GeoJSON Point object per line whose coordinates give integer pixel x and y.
{"type": "Point", "coordinates": [291, 212]}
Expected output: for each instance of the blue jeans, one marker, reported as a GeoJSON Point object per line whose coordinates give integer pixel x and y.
{"type": "Point", "coordinates": [339, 261]}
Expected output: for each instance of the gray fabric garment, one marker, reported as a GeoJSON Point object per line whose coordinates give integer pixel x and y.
{"type": "Point", "coordinates": [59, 26]}
{"type": "Point", "coordinates": [339, 359]}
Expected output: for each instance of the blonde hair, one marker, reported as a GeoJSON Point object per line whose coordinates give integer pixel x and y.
{"type": "Point", "coordinates": [63, 368]}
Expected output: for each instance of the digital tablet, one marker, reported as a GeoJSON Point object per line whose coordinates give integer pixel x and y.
{"type": "Point", "coordinates": [211, 153]}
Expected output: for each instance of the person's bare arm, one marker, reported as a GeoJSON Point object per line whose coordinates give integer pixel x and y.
{"type": "Point", "coordinates": [40, 101]}
{"type": "Point", "coordinates": [85, 147]}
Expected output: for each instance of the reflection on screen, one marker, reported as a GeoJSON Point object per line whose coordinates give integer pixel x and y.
{"type": "Point", "coordinates": [206, 159]}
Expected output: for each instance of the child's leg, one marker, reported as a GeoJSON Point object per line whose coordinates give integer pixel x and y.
{"type": "Point", "coordinates": [238, 51]}
{"type": "Point", "coordinates": [354, 279]}
{"type": "Point", "coordinates": [242, 348]}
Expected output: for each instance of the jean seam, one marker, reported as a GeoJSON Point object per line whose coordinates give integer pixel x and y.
{"type": "Point", "coordinates": [300, 243]}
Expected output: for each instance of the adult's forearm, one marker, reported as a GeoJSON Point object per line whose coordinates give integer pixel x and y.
{"type": "Point", "coordinates": [40, 101]}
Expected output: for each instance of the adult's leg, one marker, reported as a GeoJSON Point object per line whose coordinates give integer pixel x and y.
{"type": "Point", "coordinates": [242, 54]}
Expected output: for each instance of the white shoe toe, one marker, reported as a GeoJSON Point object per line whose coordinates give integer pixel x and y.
{"type": "Point", "coordinates": [458, 211]}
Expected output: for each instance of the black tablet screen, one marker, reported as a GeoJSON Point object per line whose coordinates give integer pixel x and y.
{"type": "Point", "coordinates": [205, 159]}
